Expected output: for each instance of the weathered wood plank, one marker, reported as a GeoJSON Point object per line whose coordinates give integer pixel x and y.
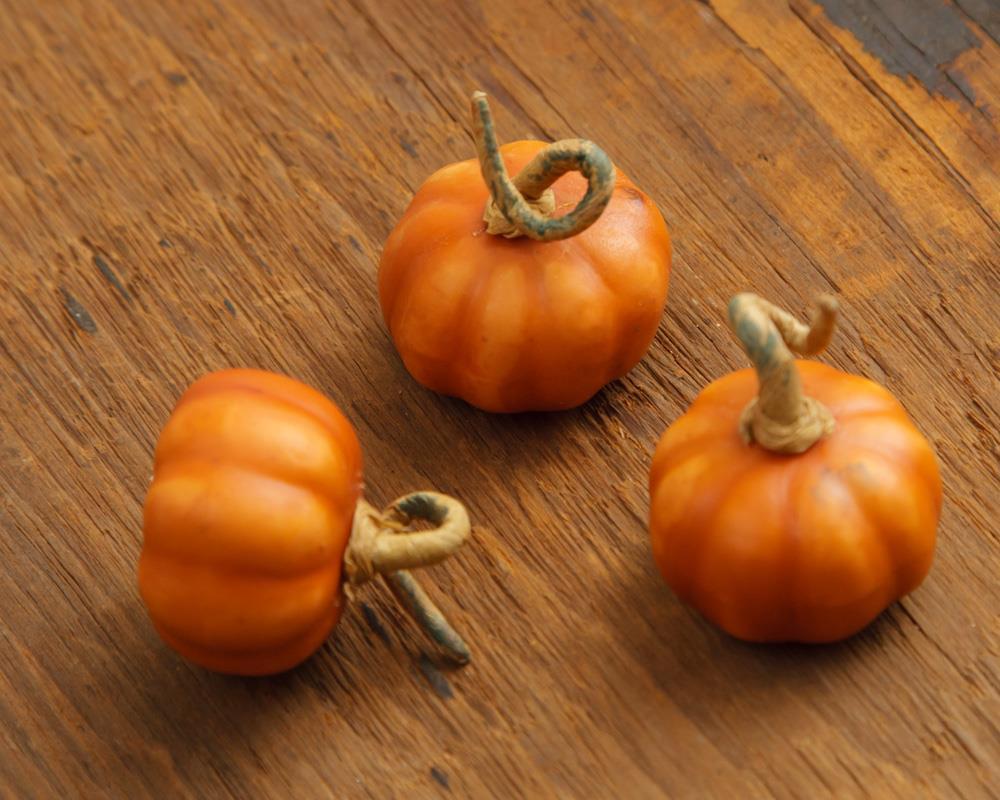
{"type": "Point", "coordinates": [186, 186]}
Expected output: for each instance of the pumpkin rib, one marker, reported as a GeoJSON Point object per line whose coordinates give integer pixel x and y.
{"type": "Point", "coordinates": [243, 381]}
{"type": "Point", "coordinates": [337, 424]}
{"type": "Point", "coordinates": [228, 570]}
{"type": "Point", "coordinates": [728, 394]}
{"type": "Point", "coordinates": [265, 661]}
{"type": "Point", "coordinates": [434, 352]}
{"type": "Point", "coordinates": [330, 485]}
{"type": "Point", "coordinates": [390, 283]}
{"type": "Point", "coordinates": [890, 563]}
{"type": "Point", "coordinates": [709, 498]}
{"type": "Point", "coordinates": [454, 180]}
{"type": "Point", "coordinates": [802, 483]}
{"type": "Point", "coordinates": [584, 351]}
{"type": "Point", "coordinates": [632, 353]}
{"type": "Point", "coordinates": [397, 274]}
{"type": "Point", "coordinates": [860, 412]}
{"type": "Point", "coordinates": [258, 469]}
{"type": "Point", "coordinates": [898, 448]}
{"type": "Point", "coordinates": [334, 518]}
{"type": "Point", "coordinates": [852, 415]}
{"type": "Point", "coordinates": [796, 628]}
{"type": "Point", "coordinates": [463, 313]}
{"type": "Point", "coordinates": [237, 571]}
{"type": "Point", "coordinates": [585, 255]}
{"type": "Point", "coordinates": [187, 643]}
{"type": "Point", "coordinates": [904, 583]}
{"type": "Point", "coordinates": [274, 624]}
{"type": "Point", "coordinates": [826, 383]}
{"type": "Point", "coordinates": [793, 533]}
{"type": "Point", "coordinates": [594, 246]}
{"type": "Point", "coordinates": [532, 367]}
{"type": "Point", "coordinates": [485, 345]}
{"type": "Point", "coordinates": [616, 352]}
{"type": "Point", "coordinates": [680, 454]}
{"type": "Point", "coordinates": [713, 531]}
{"type": "Point", "coordinates": [665, 547]}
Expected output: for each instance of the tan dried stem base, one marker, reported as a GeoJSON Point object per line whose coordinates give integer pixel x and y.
{"type": "Point", "coordinates": [813, 422]}
{"type": "Point", "coordinates": [782, 418]}
{"type": "Point", "coordinates": [523, 206]}
{"type": "Point", "coordinates": [498, 225]}
{"type": "Point", "coordinates": [382, 544]}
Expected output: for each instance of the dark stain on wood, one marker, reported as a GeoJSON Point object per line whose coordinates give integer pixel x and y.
{"type": "Point", "coordinates": [408, 146]}
{"type": "Point", "coordinates": [110, 277]}
{"type": "Point", "coordinates": [985, 13]}
{"type": "Point", "coordinates": [259, 260]}
{"type": "Point", "coordinates": [440, 777]}
{"type": "Point", "coordinates": [176, 78]}
{"type": "Point", "coordinates": [375, 623]}
{"type": "Point", "coordinates": [963, 86]}
{"type": "Point", "coordinates": [439, 683]}
{"type": "Point", "coordinates": [355, 244]}
{"type": "Point", "coordinates": [165, 243]}
{"type": "Point", "coordinates": [910, 37]}
{"type": "Point", "coordinates": [80, 315]}
{"type": "Point", "coordinates": [244, 243]}
{"type": "Point", "coordinates": [229, 306]}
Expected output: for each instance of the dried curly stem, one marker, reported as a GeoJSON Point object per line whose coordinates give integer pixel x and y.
{"type": "Point", "coordinates": [380, 544]}
{"type": "Point", "coordinates": [781, 418]}
{"type": "Point", "coordinates": [522, 206]}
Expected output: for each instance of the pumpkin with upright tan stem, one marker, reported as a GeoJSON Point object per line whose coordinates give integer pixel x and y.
{"type": "Point", "coordinates": [798, 503]}
{"type": "Point", "coordinates": [254, 519]}
{"type": "Point", "coordinates": [493, 293]}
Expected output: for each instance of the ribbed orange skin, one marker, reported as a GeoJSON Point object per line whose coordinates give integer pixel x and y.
{"type": "Point", "coordinates": [255, 481]}
{"type": "Point", "coordinates": [807, 548]}
{"type": "Point", "coordinates": [514, 324]}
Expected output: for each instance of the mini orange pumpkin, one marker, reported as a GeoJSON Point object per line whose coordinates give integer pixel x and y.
{"type": "Point", "coordinates": [801, 513]}
{"type": "Point", "coordinates": [252, 517]}
{"type": "Point", "coordinates": [536, 309]}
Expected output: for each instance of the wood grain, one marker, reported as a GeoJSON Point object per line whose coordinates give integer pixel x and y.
{"type": "Point", "coordinates": [187, 186]}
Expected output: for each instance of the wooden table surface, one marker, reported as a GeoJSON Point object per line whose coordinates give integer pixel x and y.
{"type": "Point", "coordinates": [186, 186]}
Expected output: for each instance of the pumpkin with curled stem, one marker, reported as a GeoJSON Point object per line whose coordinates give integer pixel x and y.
{"type": "Point", "coordinates": [493, 293]}
{"type": "Point", "coordinates": [797, 503]}
{"type": "Point", "coordinates": [254, 520]}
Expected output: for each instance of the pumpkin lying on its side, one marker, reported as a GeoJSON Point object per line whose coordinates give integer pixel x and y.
{"type": "Point", "coordinates": [254, 515]}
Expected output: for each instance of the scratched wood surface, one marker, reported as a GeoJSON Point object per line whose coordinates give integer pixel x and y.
{"type": "Point", "coordinates": [188, 186]}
